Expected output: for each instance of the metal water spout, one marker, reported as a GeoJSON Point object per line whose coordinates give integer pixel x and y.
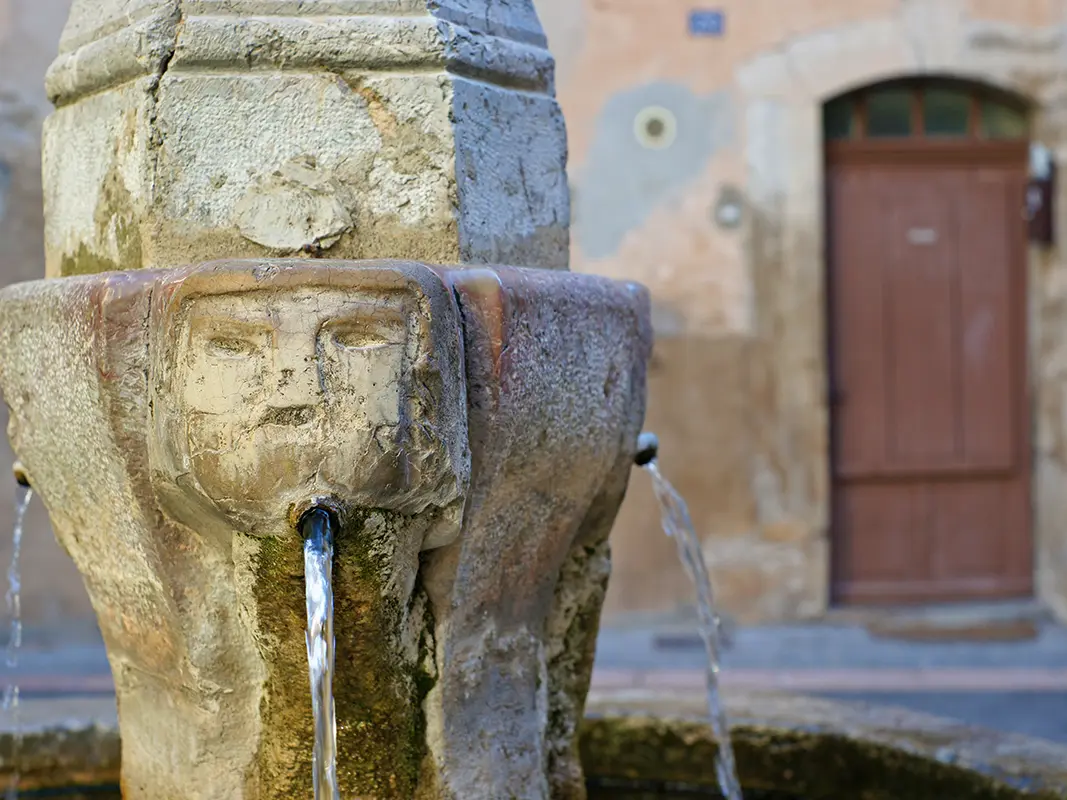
{"type": "Point", "coordinates": [647, 449]}
{"type": "Point", "coordinates": [21, 478]}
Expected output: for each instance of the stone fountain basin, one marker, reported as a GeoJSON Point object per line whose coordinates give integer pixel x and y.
{"type": "Point", "coordinates": [638, 746]}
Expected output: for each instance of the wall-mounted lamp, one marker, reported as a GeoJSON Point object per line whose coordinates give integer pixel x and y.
{"type": "Point", "coordinates": [729, 208]}
{"type": "Point", "coordinates": [1040, 195]}
{"type": "Point", "coordinates": [1040, 162]}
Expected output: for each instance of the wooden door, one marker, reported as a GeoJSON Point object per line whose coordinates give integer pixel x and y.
{"type": "Point", "coordinates": [931, 451]}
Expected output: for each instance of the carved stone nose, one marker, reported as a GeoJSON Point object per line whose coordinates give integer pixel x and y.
{"type": "Point", "coordinates": [298, 385]}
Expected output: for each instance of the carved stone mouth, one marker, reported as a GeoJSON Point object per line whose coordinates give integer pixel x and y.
{"type": "Point", "coordinates": [288, 416]}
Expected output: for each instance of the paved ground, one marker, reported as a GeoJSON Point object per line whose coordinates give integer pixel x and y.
{"type": "Point", "coordinates": [1018, 686]}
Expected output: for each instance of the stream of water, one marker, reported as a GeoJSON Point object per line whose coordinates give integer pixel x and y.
{"type": "Point", "coordinates": [317, 529]}
{"type": "Point", "coordinates": [14, 641]}
{"type": "Point", "coordinates": [677, 524]}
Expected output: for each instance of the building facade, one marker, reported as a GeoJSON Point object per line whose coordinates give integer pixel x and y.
{"type": "Point", "coordinates": [861, 354]}
{"type": "Point", "coordinates": [859, 372]}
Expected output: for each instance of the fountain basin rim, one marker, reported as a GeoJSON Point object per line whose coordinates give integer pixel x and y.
{"type": "Point", "coordinates": [1018, 765]}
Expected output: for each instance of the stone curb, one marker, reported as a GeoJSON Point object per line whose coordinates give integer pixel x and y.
{"type": "Point", "coordinates": [842, 680]}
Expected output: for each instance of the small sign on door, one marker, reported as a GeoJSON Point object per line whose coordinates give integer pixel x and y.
{"type": "Point", "coordinates": [922, 236]}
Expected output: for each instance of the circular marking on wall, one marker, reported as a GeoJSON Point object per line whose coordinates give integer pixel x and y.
{"type": "Point", "coordinates": [655, 127]}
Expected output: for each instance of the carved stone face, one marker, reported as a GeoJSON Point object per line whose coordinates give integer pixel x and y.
{"type": "Point", "coordinates": [295, 393]}
{"type": "Point", "coordinates": [268, 399]}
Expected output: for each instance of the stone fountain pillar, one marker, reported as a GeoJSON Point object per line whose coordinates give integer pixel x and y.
{"type": "Point", "coordinates": [188, 130]}
{"type": "Point", "coordinates": [473, 426]}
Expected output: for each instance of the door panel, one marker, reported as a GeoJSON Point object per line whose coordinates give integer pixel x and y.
{"type": "Point", "coordinates": [885, 524]}
{"type": "Point", "coordinates": [928, 353]}
{"type": "Point", "coordinates": [918, 272]}
{"type": "Point", "coordinates": [968, 519]}
{"type": "Point", "coordinates": [989, 302]}
{"type": "Point", "coordinates": [859, 362]}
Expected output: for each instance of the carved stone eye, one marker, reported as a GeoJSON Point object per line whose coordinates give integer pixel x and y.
{"type": "Point", "coordinates": [362, 336]}
{"type": "Point", "coordinates": [230, 347]}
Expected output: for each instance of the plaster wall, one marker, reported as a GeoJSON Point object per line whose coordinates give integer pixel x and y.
{"type": "Point", "coordinates": [738, 378]}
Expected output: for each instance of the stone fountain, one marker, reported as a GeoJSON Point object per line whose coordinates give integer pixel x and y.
{"type": "Point", "coordinates": [212, 354]}
{"type": "Point", "coordinates": [471, 427]}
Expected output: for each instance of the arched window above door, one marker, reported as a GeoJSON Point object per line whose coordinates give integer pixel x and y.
{"type": "Point", "coordinates": [925, 108]}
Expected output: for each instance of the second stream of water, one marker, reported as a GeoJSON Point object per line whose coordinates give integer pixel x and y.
{"type": "Point", "coordinates": [14, 641]}
{"type": "Point", "coordinates": [317, 530]}
{"type": "Point", "coordinates": [674, 515]}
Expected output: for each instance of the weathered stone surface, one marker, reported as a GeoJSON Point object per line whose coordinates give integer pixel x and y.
{"type": "Point", "coordinates": [786, 746]}
{"type": "Point", "coordinates": [556, 371]}
{"type": "Point", "coordinates": [810, 747]}
{"type": "Point", "coordinates": [177, 422]}
{"type": "Point", "coordinates": [185, 535]}
{"type": "Point", "coordinates": [191, 129]}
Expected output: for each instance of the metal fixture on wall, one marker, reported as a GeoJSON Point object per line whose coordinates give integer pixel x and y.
{"type": "Point", "coordinates": [729, 208]}
{"type": "Point", "coordinates": [1040, 195]}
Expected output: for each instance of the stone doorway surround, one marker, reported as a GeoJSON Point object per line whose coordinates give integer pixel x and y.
{"type": "Point", "coordinates": [782, 92]}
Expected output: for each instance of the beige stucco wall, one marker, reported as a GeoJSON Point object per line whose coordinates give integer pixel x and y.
{"type": "Point", "coordinates": [737, 391]}
{"type": "Point", "coordinates": [53, 595]}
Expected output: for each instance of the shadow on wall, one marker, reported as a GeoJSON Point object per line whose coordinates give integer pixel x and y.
{"type": "Point", "coordinates": [649, 143]}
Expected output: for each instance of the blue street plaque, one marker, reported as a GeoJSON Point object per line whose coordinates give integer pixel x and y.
{"type": "Point", "coordinates": [706, 22]}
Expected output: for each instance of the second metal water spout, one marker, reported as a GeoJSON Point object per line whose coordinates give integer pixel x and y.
{"type": "Point", "coordinates": [647, 449]}
{"type": "Point", "coordinates": [22, 478]}
{"type": "Point", "coordinates": [678, 525]}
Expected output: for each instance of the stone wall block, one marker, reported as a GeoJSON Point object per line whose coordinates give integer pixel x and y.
{"type": "Point", "coordinates": [352, 130]}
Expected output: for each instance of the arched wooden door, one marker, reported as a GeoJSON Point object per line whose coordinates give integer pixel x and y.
{"type": "Point", "coordinates": [927, 301]}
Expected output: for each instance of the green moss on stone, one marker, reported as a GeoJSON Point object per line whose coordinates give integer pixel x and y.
{"type": "Point", "coordinates": [378, 694]}
{"type": "Point", "coordinates": [814, 766]}
{"type": "Point", "coordinates": [115, 216]}
{"type": "Point", "coordinates": [85, 262]}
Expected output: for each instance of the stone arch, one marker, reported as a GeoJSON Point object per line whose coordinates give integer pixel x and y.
{"type": "Point", "coordinates": [975, 79]}
{"type": "Point", "coordinates": [1005, 93]}
{"type": "Point", "coordinates": [782, 92]}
